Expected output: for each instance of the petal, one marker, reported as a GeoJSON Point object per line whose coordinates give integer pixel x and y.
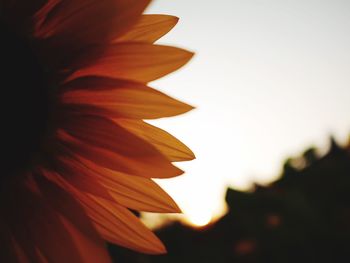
{"type": "Point", "coordinates": [74, 174]}
{"type": "Point", "coordinates": [115, 223]}
{"type": "Point", "coordinates": [149, 29]}
{"type": "Point", "coordinates": [89, 249]}
{"type": "Point", "coordinates": [134, 192]}
{"type": "Point", "coordinates": [41, 231]}
{"type": "Point", "coordinates": [114, 147]}
{"type": "Point", "coordinates": [114, 162]}
{"type": "Point", "coordinates": [118, 225]}
{"type": "Point", "coordinates": [134, 61]}
{"type": "Point", "coordinates": [66, 205]}
{"type": "Point", "coordinates": [55, 241]}
{"type": "Point", "coordinates": [90, 245]}
{"type": "Point", "coordinates": [84, 22]}
{"type": "Point", "coordinates": [167, 144]}
{"type": "Point", "coordinates": [125, 100]}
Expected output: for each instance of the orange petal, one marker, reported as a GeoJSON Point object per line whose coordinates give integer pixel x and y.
{"type": "Point", "coordinates": [90, 245]}
{"type": "Point", "coordinates": [134, 192]}
{"type": "Point", "coordinates": [118, 149]}
{"type": "Point", "coordinates": [118, 225]}
{"type": "Point", "coordinates": [73, 174]}
{"type": "Point", "coordinates": [42, 231]}
{"type": "Point", "coordinates": [90, 250]}
{"type": "Point", "coordinates": [84, 22]}
{"type": "Point", "coordinates": [149, 29]}
{"type": "Point", "coordinates": [126, 100]}
{"type": "Point", "coordinates": [67, 206]}
{"type": "Point", "coordinates": [115, 162]}
{"type": "Point", "coordinates": [167, 144]}
{"type": "Point", "coordinates": [134, 61]}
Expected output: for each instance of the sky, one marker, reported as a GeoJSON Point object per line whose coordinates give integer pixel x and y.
{"type": "Point", "coordinates": [270, 78]}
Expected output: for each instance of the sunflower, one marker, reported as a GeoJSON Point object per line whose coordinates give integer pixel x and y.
{"type": "Point", "coordinates": [77, 153]}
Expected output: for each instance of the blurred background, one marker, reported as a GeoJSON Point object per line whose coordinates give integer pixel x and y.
{"type": "Point", "coordinates": [270, 81]}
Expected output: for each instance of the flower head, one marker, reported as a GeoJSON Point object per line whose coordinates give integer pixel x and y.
{"type": "Point", "coordinates": [77, 153]}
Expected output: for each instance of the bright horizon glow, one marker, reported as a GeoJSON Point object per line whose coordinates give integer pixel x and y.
{"type": "Point", "coordinates": [199, 219]}
{"type": "Point", "coordinates": [269, 79]}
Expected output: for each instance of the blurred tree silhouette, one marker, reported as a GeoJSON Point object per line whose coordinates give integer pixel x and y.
{"type": "Point", "coordinates": [302, 217]}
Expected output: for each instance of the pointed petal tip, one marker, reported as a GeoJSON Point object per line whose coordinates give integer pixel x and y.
{"type": "Point", "coordinates": [186, 56]}
{"type": "Point", "coordinates": [172, 208]}
{"type": "Point", "coordinates": [189, 54]}
{"type": "Point", "coordinates": [177, 210]}
{"type": "Point", "coordinates": [189, 156]}
{"type": "Point", "coordinates": [156, 248]}
{"type": "Point", "coordinates": [170, 172]}
{"type": "Point", "coordinates": [181, 108]}
{"type": "Point", "coordinates": [164, 251]}
{"type": "Point", "coordinates": [118, 61]}
{"type": "Point", "coordinates": [159, 250]}
{"type": "Point", "coordinates": [173, 172]}
{"type": "Point", "coordinates": [183, 54]}
{"type": "Point", "coordinates": [192, 156]}
{"type": "Point", "coordinates": [174, 19]}
{"type": "Point", "coordinates": [184, 109]}
{"type": "Point", "coordinates": [191, 107]}
{"type": "Point", "coordinates": [178, 171]}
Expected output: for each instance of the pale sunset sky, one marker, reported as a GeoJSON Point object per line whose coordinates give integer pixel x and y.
{"type": "Point", "coordinates": [270, 78]}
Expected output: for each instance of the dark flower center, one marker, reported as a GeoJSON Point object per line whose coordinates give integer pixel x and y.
{"type": "Point", "coordinates": [25, 103]}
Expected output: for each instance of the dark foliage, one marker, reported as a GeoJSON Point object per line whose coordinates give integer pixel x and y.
{"type": "Point", "coordinates": [302, 217]}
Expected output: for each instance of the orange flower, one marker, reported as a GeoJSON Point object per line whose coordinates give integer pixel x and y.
{"type": "Point", "coordinates": [77, 153]}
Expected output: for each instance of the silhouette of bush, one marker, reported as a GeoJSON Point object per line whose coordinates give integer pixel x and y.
{"type": "Point", "coordinates": [302, 217]}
